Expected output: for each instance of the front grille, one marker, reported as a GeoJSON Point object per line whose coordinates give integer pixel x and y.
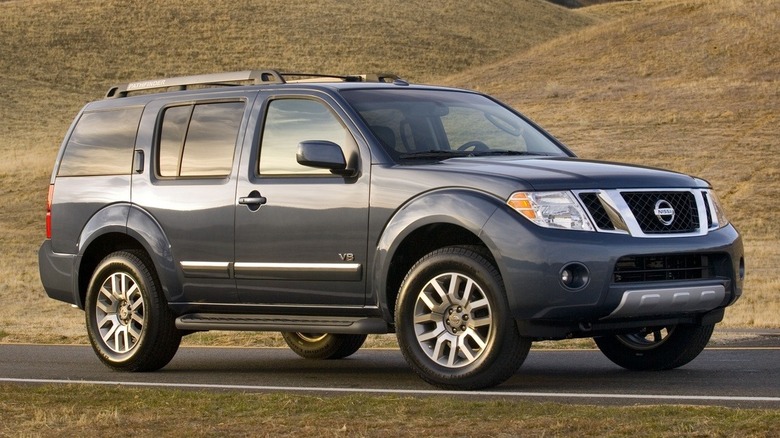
{"type": "Point", "coordinates": [707, 209]}
{"type": "Point", "coordinates": [635, 269]}
{"type": "Point", "coordinates": [644, 205]}
{"type": "Point", "coordinates": [597, 211]}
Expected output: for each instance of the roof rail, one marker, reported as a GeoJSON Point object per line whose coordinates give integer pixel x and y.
{"type": "Point", "coordinates": [182, 82]}
{"type": "Point", "coordinates": [235, 78]}
{"type": "Point", "coordinates": [317, 77]}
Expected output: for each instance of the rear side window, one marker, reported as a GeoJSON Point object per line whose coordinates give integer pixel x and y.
{"type": "Point", "coordinates": [101, 143]}
{"type": "Point", "coordinates": [199, 140]}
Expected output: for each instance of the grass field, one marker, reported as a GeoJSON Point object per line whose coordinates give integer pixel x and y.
{"type": "Point", "coordinates": [49, 411]}
{"type": "Point", "coordinates": [686, 85]}
{"type": "Point", "coordinates": [56, 55]}
{"type": "Point", "coordinates": [690, 85]}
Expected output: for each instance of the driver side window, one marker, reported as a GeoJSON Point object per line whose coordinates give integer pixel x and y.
{"type": "Point", "coordinates": [289, 122]}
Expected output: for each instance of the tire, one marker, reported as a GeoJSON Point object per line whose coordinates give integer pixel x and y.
{"type": "Point", "coordinates": [660, 348]}
{"type": "Point", "coordinates": [128, 321]}
{"type": "Point", "coordinates": [323, 345]}
{"type": "Point", "coordinates": [453, 322]}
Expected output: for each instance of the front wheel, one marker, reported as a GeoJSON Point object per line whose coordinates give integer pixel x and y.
{"type": "Point", "coordinates": [128, 321]}
{"type": "Point", "coordinates": [656, 348]}
{"type": "Point", "coordinates": [453, 322]}
{"type": "Point", "coordinates": [323, 345]}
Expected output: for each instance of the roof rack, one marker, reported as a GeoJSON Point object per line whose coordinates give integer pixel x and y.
{"type": "Point", "coordinates": [237, 78]}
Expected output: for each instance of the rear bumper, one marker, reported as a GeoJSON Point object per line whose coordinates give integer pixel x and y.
{"type": "Point", "coordinates": [56, 272]}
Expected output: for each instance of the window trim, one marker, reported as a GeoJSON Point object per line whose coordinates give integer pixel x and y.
{"type": "Point", "coordinates": [192, 103]}
{"type": "Point", "coordinates": [255, 169]}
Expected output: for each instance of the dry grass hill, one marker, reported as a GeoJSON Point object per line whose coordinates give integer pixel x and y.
{"type": "Point", "coordinates": [690, 85]}
{"type": "Point", "coordinates": [55, 55]}
{"type": "Point", "coordinates": [81, 45]}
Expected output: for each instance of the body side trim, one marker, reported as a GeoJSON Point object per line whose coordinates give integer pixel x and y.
{"type": "Point", "coordinates": [299, 271]}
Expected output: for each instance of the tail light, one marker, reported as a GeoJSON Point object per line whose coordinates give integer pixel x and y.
{"type": "Point", "coordinates": [48, 211]}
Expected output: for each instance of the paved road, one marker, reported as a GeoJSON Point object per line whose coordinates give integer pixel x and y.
{"type": "Point", "coordinates": [745, 377]}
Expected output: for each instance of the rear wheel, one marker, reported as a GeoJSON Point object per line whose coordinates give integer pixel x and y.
{"type": "Point", "coordinates": [128, 321]}
{"type": "Point", "coordinates": [453, 322]}
{"type": "Point", "coordinates": [323, 345]}
{"type": "Point", "coordinates": [656, 348]}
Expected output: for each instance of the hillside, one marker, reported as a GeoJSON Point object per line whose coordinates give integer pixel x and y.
{"type": "Point", "coordinates": [691, 86]}
{"type": "Point", "coordinates": [55, 55]}
{"type": "Point", "coordinates": [80, 44]}
{"type": "Point", "coordinates": [581, 3]}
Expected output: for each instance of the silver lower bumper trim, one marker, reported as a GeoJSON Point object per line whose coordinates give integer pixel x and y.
{"type": "Point", "coordinates": [669, 301]}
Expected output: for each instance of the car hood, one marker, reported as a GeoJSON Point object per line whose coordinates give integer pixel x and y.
{"type": "Point", "coordinates": [554, 173]}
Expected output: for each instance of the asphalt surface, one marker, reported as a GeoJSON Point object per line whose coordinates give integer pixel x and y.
{"type": "Point", "coordinates": [741, 374]}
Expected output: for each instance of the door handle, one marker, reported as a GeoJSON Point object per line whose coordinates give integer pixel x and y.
{"type": "Point", "coordinates": [138, 161]}
{"type": "Point", "coordinates": [253, 201]}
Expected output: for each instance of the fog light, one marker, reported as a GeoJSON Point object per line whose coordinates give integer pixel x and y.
{"type": "Point", "coordinates": [566, 277]}
{"type": "Point", "coordinates": [574, 276]}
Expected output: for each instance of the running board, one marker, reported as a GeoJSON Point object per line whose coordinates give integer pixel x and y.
{"type": "Point", "coordinates": [282, 323]}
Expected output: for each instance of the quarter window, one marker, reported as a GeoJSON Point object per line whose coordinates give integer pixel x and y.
{"type": "Point", "coordinates": [101, 143]}
{"type": "Point", "coordinates": [199, 140]}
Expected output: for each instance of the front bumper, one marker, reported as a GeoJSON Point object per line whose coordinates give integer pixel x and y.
{"type": "Point", "coordinates": [532, 258]}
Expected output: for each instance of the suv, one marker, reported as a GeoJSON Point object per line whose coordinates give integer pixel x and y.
{"type": "Point", "coordinates": [332, 207]}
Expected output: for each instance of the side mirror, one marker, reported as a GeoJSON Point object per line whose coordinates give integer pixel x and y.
{"type": "Point", "coordinates": [323, 154]}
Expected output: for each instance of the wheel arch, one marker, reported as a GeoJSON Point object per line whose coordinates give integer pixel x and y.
{"type": "Point", "coordinates": [124, 227]}
{"type": "Point", "coordinates": [97, 249]}
{"type": "Point", "coordinates": [434, 220]}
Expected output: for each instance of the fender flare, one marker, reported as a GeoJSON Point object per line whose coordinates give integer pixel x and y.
{"type": "Point", "coordinates": [144, 228]}
{"type": "Point", "coordinates": [110, 219]}
{"type": "Point", "coordinates": [467, 208]}
{"type": "Point", "coordinates": [138, 225]}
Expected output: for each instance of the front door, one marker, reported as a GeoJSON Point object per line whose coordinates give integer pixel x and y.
{"type": "Point", "coordinates": [300, 231]}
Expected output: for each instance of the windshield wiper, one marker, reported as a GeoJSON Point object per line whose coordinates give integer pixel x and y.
{"type": "Point", "coordinates": [435, 155]}
{"type": "Point", "coordinates": [507, 152]}
{"type": "Point", "coordinates": [445, 154]}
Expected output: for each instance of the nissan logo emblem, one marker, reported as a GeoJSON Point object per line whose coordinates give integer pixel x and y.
{"type": "Point", "coordinates": [664, 212]}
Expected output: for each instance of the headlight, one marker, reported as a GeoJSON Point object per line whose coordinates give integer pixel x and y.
{"type": "Point", "coordinates": [551, 210]}
{"type": "Point", "coordinates": [717, 210]}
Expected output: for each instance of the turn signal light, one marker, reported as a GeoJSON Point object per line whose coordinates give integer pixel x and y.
{"type": "Point", "coordinates": [520, 202]}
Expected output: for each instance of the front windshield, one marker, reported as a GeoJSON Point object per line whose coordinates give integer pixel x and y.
{"type": "Point", "coordinates": [438, 124]}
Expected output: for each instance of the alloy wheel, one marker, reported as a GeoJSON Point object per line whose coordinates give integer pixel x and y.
{"type": "Point", "coordinates": [120, 312]}
{"type": "Point", "coordinates": [452, 320]}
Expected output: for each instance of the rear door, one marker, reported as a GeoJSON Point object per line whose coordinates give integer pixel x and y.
{"type": "Point", "coordinates": [300, 231]}
{"type": "Point", "coordinates": [190, 188]}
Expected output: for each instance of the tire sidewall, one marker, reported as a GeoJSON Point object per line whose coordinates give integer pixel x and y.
{"type": "Point", "coordinates": [306, 348]}
{"type": "Point", "coordinates": [683, 344]}
{"type": "Point", "coordinates": [130, 265]}
{"type": "Point", "coordinates": [331, 346]}
{"type": "Point", "coordinates": [476, 267]}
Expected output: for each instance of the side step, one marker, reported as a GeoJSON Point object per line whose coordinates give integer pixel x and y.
{"type": "Point", "coordinates": [282, 323]}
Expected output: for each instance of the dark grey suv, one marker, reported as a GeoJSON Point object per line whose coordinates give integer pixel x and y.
{"type": "Point", "coordinates": [332, 207]}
